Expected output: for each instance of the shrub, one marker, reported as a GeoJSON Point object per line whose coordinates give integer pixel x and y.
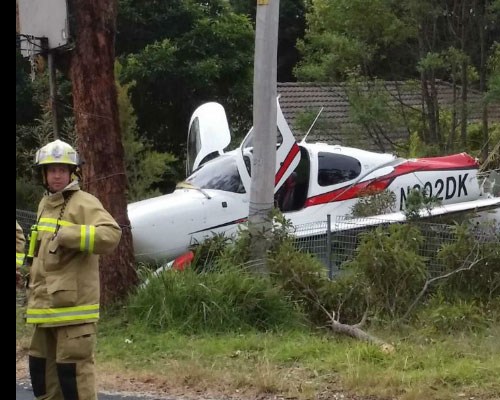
{"type": "Point", "coordinates": [222, 300]}
{"type": "Point", "coordinates": [390, 267]}
{"type": "Point", "coordinates": [372, 202]}
{"type": "Point", "coordinates": [476, 250]}
{"type": "Point", "coordinates": [28, 194]}
{"type": "Point", "coordinates": [304, 278]}
{"type": "Point", "coordinates": [444, 316]}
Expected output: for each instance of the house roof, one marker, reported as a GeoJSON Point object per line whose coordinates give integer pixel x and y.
{"type": "Point", "coordinates": [335, 124]}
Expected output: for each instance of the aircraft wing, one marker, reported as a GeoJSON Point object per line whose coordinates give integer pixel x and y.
{"type": "Point", "coordinates": [488, 208]}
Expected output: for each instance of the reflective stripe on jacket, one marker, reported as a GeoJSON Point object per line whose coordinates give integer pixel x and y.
{"type": "Point", "coordinates": [64, 277]}
{"type": "Point", "coordinates": [19, 259]}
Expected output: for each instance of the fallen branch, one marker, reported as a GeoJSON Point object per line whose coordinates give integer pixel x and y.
{"type": "Point", "coordinates": [353, 331]}
{"type": "Point", "coordinates": [356, 332]}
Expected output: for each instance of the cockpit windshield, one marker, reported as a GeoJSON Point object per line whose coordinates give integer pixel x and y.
{"type": "Point", "coordinates": [220, 173]}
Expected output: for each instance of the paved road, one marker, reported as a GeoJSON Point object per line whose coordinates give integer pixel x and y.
{"type": "Point", "coordinates": [24, 392]}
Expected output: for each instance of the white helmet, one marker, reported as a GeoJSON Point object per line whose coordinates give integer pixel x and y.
{"type": "Point", "coordinates": [57, 152]}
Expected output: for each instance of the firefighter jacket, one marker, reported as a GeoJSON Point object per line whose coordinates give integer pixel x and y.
{"type": "Point", "coordinates": [20, 243]}
{"type": "Point", "coordinates": [72, 229]}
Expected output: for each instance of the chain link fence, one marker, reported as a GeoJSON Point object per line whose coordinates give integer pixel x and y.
{"type": "Point", "coordinates": [26, 219]}
{"type": "Point", "coordinates": [334, 248]}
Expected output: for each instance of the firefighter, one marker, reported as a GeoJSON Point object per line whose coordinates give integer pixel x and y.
{"type": "Point", "coordinates": [71, 231]}
{"type": "Point", "coordinates": [20, 243]}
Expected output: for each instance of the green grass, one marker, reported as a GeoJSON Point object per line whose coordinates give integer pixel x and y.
{"type": "Point", "coordinates": [233, 334]}
{"type": "Point", "coordinates": [219, 301]}
{"type": "Point", "coordinates": [303, 364]}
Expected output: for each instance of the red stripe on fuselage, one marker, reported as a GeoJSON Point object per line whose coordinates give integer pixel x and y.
{"type": "Point", "coordinates": [349, 192]}
{"type": "Point", "coordinates": [286, 164]}
{"type": "Point", "coordinates": [447, 163]}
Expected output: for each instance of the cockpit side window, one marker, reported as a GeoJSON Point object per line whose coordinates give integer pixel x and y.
{"type": "Point", "coordinates": [247, 149]}
{"type": "Point", "coordinates": [336, 168]}
{"type": "Point", "coordinates": [220, 173]}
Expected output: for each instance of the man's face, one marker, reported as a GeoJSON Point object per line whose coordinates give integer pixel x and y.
{"type": "Point", "coordinates": [58, 176]}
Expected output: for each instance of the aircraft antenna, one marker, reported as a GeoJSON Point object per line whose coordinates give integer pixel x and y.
{"type": "Point", "coordinates": [309, 130]}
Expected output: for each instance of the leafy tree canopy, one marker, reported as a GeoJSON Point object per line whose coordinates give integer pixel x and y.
{"type": "Point", "coordinates": [202, 52]}
{"type": "Point", "coordinates": [146, 168]}
{"type": "Point", "coordinates": [26, 107]}
{"type": "Point", "coordinates": [291, 27]}
{"type": "Point", "coordinates": [386, 38]}
{"type": "Point", "coordinates": [346, 35]}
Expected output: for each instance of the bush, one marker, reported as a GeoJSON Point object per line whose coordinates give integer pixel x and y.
{"type": "Point", "coordinates": [219, 294]}
{"type": "Point", "coordinates": [304, 277]}
{"type": "Point", "coordinates": [222, 300]}
{"type": "Point", "coordinates": [448, 317]}
{"type": "Point", "coordinates": [373, 202]}
{"type": "Point", "coordinates": [390, 268]}
{"type": "Point", "coordinates": [475, 249]}
{"type": "Point", "coordinates": [28, 194]}
{"type": "Point", "coordinates": [348, 298]}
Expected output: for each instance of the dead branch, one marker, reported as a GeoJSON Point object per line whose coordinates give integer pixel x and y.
{"type": "Point", "coordinates": [363, 319]}
{"type": "Point", "coordinates": [353, 331]}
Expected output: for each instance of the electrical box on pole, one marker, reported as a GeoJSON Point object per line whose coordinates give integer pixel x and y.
{"type": "Point", "coordinates": [43, 28]}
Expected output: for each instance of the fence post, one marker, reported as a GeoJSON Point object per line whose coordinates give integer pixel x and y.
{"type": "Point", "coordinates": [329, 246]}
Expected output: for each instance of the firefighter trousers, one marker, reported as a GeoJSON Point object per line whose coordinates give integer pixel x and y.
{"type": "Point", "coordinates": [61, 362]}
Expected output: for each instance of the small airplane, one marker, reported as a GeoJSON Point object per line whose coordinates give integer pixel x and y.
{"type": "Point", "coordinates": [312, 180]}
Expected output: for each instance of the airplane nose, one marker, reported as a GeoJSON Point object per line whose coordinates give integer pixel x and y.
{"type": "Point", "coordinates": [162, 226]}
{"type": "Point", "coordinates": [165, 227]}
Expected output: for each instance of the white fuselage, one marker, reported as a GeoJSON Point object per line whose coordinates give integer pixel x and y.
{"type": "Point", "coordinates": [312, 181]}
{"type": "Point", "coordinates": [166, 226]}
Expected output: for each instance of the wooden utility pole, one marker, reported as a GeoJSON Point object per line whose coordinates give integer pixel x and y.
{"type": "Point", "coordinates": [265, 127]}
{"type": "Point", "coordinates": [53, 92]}
{"type": "Point", "coordinates": [91, 69]}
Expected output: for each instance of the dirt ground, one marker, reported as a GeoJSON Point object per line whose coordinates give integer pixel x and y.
{"type": "Point", "coordinates": [151, 386]}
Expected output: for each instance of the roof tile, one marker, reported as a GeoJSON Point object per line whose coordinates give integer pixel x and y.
{"type": "Point", "coordinates": [336, 126]}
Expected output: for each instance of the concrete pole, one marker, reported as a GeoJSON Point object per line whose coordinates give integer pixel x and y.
{"type": "Point", "coordinates": [265, 127]}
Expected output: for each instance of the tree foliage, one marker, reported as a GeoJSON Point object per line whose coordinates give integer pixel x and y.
{"type": "Point", "coordinates": [493, 94]}
{"type": "Point", "coordinates": [412, 39]}
{"type": "Point", "coordinates": [291, 27]}
{"type": "Point", "coordinates": [203, 52]}
{"type": "Point", "coordinates": [473, 244]}
{"type": "Point", "coordinates": [344, 36]}
{"type": "Point", "coordinates": [145, 166]}
{"type": "Point", "coordinates": [26, 108]}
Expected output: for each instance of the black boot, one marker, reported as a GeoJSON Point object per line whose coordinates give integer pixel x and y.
{"type": "Point", "coordinates": [67, 380]}
{"type": "Point", "coordinates": [37, 366]}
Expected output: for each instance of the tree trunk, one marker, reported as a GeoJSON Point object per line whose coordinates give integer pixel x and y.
{"type": "Point", "coordinates": [425, 134]}
{"type": "Point", "coordinates": [465, 79]}
{"type": "Point", "coordinates": [482, 78]}
{"type": "Point", "coordinates": [91, 69]}
{"type": "Point", "coordinates": [453, 130]}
